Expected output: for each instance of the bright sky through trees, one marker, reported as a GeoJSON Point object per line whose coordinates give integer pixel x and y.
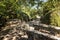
{"type": "Point", "coordinates": [44, 0]}
{"type": "Point", "coordinates": [36, 5]}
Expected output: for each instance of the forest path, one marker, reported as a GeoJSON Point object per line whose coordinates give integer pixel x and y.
{"type": "Point", "coordinates": [32, 30]}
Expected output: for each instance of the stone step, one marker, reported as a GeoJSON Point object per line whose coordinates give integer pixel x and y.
{"type": "Point", "coordinates": [44, 34]}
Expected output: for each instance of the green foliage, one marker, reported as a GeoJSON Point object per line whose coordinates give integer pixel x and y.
{"type": "Point", "coordinates": [10, 9]}
{"type": "Point", "coordinates": [55, 18]}
{"type": "Point", "coordinates": [22, 9]}
{"type": "Point", "coordinates": [51, 12]}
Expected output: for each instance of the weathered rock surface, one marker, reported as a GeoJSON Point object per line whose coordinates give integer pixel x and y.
{"type": "Point", "coordinates": [33, 30]}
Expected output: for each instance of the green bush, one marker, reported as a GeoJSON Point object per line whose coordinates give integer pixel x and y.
{"type": "Point", "coordinates": [52, 18]}
{"type": "Point", "coordinates": [55, 18]}
{"type": "Point", "coordinates": [10, 9]}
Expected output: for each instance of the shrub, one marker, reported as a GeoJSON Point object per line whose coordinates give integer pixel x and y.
{"type": "Point", "coordinates": [55, 18]}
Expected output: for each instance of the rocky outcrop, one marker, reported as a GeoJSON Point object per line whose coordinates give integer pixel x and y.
{"type": "Point", "coordinates": [20, 30]}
